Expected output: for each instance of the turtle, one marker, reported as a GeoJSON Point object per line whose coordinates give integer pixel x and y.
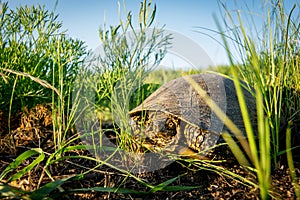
{"type": "Point", "coordinates": [176, 118]}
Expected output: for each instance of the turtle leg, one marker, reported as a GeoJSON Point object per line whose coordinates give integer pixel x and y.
{"type": "Point", "coordinates": [194, 136]}
{"type": "Point", "coordinates": [179, 150]}
{"type": "Point", "coordinates": [198, 139]}
{"type": "Point", "coordinates": [188, 152]}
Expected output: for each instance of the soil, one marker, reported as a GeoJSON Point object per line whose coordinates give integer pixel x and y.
{"type": "Point", "coordinates": [32, 128]}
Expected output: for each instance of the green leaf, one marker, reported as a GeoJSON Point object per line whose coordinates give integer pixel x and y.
{"type": "Point", "coordinates": [48, 188]}
{"type": "Point", "coordinates": [11, 192]}
{"type": "Point", "coordinates": [102, 189]}
{"type": "Point", "coordinates": [97, 189]}
{"type": "Point", "coordinates": [163, 185]}
{"type": "Point", "coordinates": [20, 159]}
{"type": "Point", "coordinates": [26, 169]}
{"type": "Point", "coordinates": [180, 188]}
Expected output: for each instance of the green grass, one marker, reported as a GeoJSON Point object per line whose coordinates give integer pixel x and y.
{"type": "Point", "coordinates": [130, 54]}
{"type": "Point", "coordinates": [272, 68]}
{"type": "Point", "coordinates": [41, 65]}
{"type": "Point", "coordinates": [33, 48]}
{"type": "Point", "coordinates": [52, 72]}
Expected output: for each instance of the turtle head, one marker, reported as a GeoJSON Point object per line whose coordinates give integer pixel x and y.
{"type": "Point", "coordinates": [157, 127]}
{"type": "Point", "coordinates": [162, 131]}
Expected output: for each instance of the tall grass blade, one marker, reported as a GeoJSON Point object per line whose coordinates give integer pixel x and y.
{"type": "Point", "coordinates": [291, 162]}
{"type": "Point", "coordinates": [11, 103]}
{"type": "Point", "coordinates": [236, 150]}
{"type": "Point", "coordinates": [35, 79]}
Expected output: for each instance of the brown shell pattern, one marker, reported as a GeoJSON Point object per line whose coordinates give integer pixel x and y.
{"type": "Point", "coordinates": [202, 127]}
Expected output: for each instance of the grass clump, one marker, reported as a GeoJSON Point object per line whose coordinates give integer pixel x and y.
{"type": "Point", "coordinates": [270, 64]}
{"type": "Point", "coordinates": [274, 67]}
{"type": "Point", "coordinates": [39, 64]}
{"type": "Point", "coordinates": [30, 39]}
{"type": "Point", "coordinates": [117, 75]}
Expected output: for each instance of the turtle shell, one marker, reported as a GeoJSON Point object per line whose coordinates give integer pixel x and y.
{"type": "Point", "coordinates": [195, 120]}
{"type": "Point", "coordinates": [179, 98]}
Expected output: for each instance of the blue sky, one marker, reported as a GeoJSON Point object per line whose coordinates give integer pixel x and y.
{"type": "Point", "coordinates": [82, 19]}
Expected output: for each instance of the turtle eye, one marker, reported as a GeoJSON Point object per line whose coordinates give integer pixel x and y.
{"type": "Point", "coordinates": [170, 124]}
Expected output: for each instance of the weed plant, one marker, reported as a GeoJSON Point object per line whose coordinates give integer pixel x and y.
{"type": "Point", "coordinates": [117, 76]}
{"type": "Point", "coordinates": [35, 57]}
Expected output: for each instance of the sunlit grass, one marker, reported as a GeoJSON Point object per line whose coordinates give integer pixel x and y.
{"type": "Point", "coordinates": [48, 74]}
{"type": "Point", "coordinates": [272, 68]}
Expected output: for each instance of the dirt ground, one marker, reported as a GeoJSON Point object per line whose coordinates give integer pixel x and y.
{"type": "Point", "coordinates": [33, 128]}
